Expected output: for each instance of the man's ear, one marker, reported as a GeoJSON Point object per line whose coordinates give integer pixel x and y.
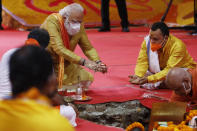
{"type": "Point", "coordinates": [186, 80]}
{"type": "Point", "coordinates": [165, 38]}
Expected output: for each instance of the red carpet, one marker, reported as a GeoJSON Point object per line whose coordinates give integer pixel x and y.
{"type": "Point", "coordinates": [125, 93]}
{"type": "Point", "coordinates": [119, 51]}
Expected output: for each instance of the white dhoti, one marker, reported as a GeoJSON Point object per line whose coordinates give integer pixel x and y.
{"type": "Point", "coordinates": [69, 113]}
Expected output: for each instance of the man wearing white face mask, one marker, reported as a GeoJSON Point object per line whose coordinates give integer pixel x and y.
{"type": "Point", "coordinates": [160, 52]}
{"type": "Point", "coordinates": [72, 27]}
{"type": "Point", "coordinates": [184, 84]}
{"type": "Point", "coordinates": [66, 31]}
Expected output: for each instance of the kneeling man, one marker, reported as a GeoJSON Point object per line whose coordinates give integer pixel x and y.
{"type": "Point", "coordinates": [160, 52]}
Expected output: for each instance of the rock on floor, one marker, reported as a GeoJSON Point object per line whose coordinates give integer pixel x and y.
{"type": "Point", "coordinates": [118, 114]}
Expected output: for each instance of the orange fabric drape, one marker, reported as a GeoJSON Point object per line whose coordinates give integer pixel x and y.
{"type": "Point", "coordinates": [57, 107]}
{"type": "Point", "coordinates": [32, 41]}
{"type": "Point", "coordinates": [65, 40]}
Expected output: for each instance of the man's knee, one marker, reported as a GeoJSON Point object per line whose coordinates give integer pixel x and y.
{"type": "Point", "coordinates": [91, 77]}
{"type": "Point", "coordinates": [86, 76]}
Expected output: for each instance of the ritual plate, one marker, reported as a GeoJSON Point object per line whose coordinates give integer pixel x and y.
{"type": "Point", "coordinates": [77, 98]}
{"type": "Point", "coordinates": [68, 99]}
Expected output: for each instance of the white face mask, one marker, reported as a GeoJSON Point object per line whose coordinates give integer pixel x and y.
{"type": "Point", "coordinates": [187, 91]}
{"type": "Point", "coordinates": [72, 28]}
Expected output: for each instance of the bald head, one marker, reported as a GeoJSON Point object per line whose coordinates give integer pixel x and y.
{"type": "Point", "coordinates": [177, 79]}
{"type": "Point", "coordinates": [175, 76]}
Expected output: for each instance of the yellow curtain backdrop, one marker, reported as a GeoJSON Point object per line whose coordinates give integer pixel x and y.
{"type": "Point", "coordinates": [33, 12]}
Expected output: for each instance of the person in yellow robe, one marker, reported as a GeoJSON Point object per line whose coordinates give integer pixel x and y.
{"type": "Point", "coordinates": [160, 51]}
{"type": "Point", "coordinates": [66, 31]}
{"type": "Point", "coordinates": [38, 37]}
{"type": "Point", "coordinates": [33, 85]}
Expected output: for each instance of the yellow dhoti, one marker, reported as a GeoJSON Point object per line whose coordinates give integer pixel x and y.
{"type": "Point", "coordinates": [73, 74]}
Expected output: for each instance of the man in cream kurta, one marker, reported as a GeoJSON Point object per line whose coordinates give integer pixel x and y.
{"type": "Point", "coordinates": [72, 16]}
{"type": "Point", "coordinates": [170, 51]}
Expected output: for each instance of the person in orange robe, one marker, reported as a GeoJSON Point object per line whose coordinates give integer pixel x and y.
{"type": "Point", "coordinates": [183, 82]}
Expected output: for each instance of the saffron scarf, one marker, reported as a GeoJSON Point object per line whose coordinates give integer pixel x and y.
{"type": "Point", "coordinates": [32, 41]}
{"type": "Point", "coordinates": [65, 40]}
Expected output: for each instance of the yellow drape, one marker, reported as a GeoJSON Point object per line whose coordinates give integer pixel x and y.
{"type": "Point", "coordinates": [31, 111]}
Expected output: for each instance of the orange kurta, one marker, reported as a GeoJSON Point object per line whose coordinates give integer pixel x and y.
{"type": "Point", "coordinates": [188, 98]}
